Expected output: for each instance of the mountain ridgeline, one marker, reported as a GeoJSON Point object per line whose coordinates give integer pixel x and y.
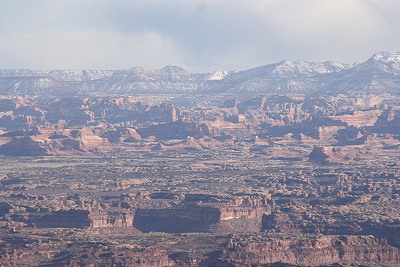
{"type": "Point", "coordinates": [379, 74]}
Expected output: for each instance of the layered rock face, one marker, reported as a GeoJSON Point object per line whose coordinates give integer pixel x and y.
{"type": "Point", "coordinates": [75, 218]}
{"type": "Point", "coordinates": [225, 218]}
{"type": "Point", "coordinates": [112, 219]}
{"type": "Point", "coordinates": [126, 257]}
{"type": "Point", "coordinates": [260, 251]}
{"type": "Point", "coordinates": [94, 255]}
{"type": "Point", "coordinates": [184, 217]}
{"type": "Point", "coordinates": [315, 251]}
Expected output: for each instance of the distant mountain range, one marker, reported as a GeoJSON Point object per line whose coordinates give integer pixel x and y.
{"type": "Point", "coordinates": [379, 74]}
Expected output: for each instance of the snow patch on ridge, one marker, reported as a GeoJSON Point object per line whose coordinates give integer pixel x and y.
{"type": "Point", "coordinates": [218, 75]}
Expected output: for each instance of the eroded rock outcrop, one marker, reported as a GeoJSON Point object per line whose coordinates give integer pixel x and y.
{"type": "Point", "coordinates": [80, 218]}
{"type": "Point", "coordinates": [314, 251]}
{"type": "Point", "coordinates": [237, 216]}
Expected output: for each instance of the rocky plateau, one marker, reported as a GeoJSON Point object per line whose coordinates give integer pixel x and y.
{"type": "Point", "coordinates": [288, 164]}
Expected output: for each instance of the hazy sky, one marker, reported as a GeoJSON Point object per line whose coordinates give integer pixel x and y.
{"type": "Point", "coordinates": [197, 35]}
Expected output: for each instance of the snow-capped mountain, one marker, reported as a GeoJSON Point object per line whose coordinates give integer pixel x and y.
{"type": "Point", "coordinates": [170, 79]}
{"type": "Point", "coordinates": [380, 73]}
{"type": "Point", "coordinates": [383, 62]}
{"type": "Point", "coordinates": [282, 77]}
{"type": "Point", "coordinates": [291, 69]}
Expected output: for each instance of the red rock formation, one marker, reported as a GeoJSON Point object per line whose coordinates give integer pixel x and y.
{"type": "Point", "coordinates": [91, 141]}
{"type": "Point", "coordinates": [77, 218]}
{"type": "Point", "coordinates": [242, 215]}
{"type": "Point", "coordinates": [112, 219]}
{"type": "Point", "coordinates": [120, 257]}
{"type": "Point", "coordinates": [86, 255]}
{"type": "Point", "coordinates": [359, 118]}
{"type": "Point", "coordinates": [122, 135]}
{"type": "Point", "coordinates": [83, 140]}
{"type": "Point", "coordinates": [313, 251]}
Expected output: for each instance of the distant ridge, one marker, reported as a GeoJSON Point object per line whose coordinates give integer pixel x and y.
{"type": "Point", "coordinates": [379, 74]}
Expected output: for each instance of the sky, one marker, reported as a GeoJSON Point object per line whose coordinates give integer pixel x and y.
{"type": "Point", "coordinates": [200, 36]}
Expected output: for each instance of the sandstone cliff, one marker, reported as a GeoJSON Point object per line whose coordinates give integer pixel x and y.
{"type": "Point", "coordinates": [312, 251]}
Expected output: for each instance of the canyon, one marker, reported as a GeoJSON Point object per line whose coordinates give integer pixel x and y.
{"type": "Point", "coordinates": [263, 167]}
